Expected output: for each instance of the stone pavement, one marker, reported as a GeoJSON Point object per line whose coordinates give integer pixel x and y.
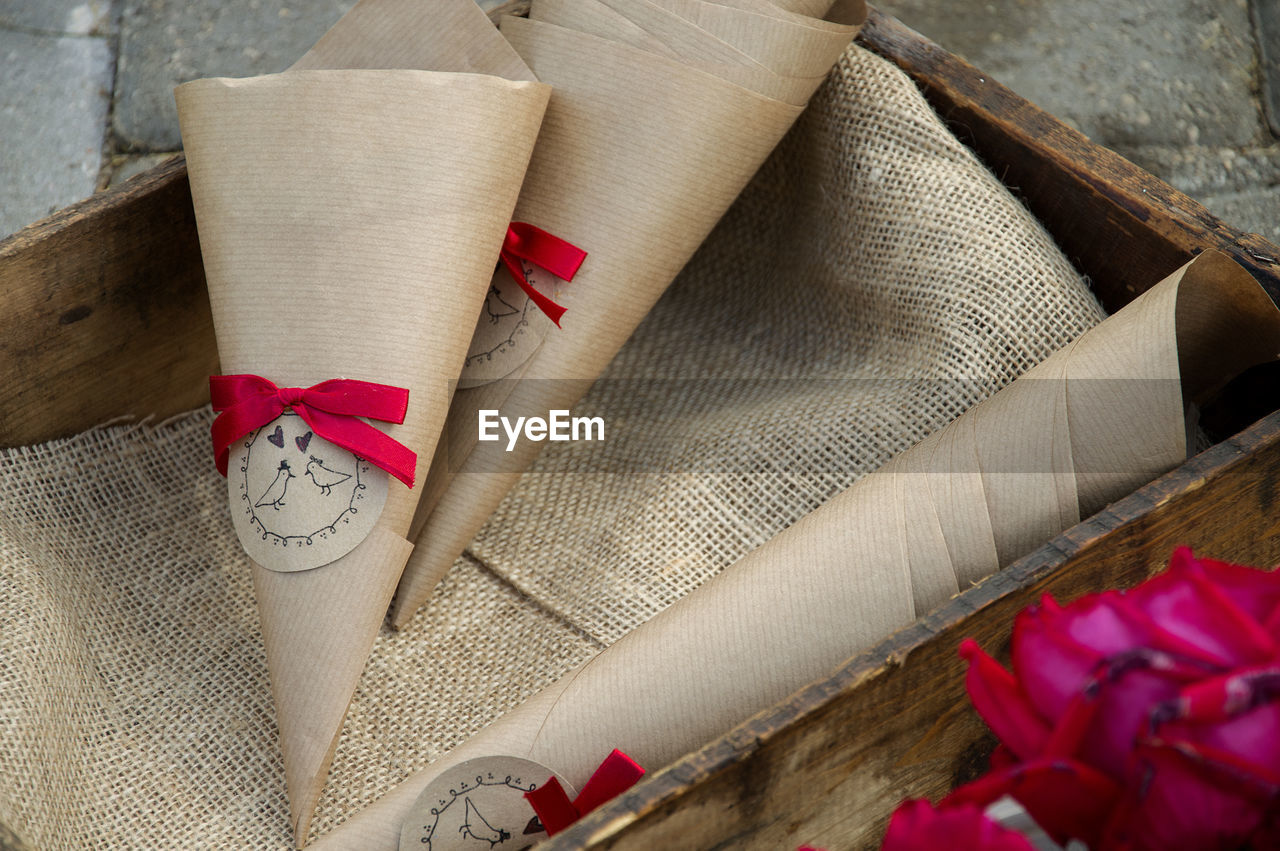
{"type": "Point", "coordinates": [1178, 86]}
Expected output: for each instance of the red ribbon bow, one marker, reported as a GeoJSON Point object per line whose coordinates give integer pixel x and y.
{"type": "Point", "coordinates": [560, 258]}
{"type": "Point", "coordinates": [247, 402]}
{"type": "Point", "coordinates": [616, 774]}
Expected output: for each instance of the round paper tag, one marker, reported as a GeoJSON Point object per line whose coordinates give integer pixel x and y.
{"type": "Point", "coordinates": [479, 805]}
{"type": "Point", "coordinates": [297, 500]}
{"type": "Point", "coordinates": [510, 327]}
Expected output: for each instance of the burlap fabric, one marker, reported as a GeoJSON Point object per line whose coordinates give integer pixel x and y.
{"type": "Point", "coordinates": [134, 705]}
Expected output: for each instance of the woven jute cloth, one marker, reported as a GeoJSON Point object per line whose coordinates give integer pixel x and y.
{"type": "Point", "coordinates": [873, 252]}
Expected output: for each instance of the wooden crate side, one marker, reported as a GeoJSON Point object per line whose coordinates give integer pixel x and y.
{"type": "Point", "coordinates": [829, 765]}
{"type": "Point", "coordinates": [106, 312]}
{"type": "Point", "coordinates": [1116, 222]}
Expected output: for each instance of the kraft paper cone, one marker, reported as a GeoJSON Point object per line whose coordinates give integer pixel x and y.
{"type": "Point", "coordinates": [809, 8]}
{"type": "Point", "coordinates": [449, 36]}
{"type": "Point", "coordinates": [599, 179]}
{"type": "Point", "coordinates": [656, 30]}
{"type": "Point", "coordinates": [789, 44]}
{"type": "Point", "coordinates": [1092, 422]}
{"type": "Point", "coordinates": [596, 18]}
{"type": "Point", "coordinates": [349, 222]}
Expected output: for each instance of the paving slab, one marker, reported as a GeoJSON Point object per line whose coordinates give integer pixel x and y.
{"type": "Point", "coordinates": [53, 118]}
{"type": "Point", "coordinates": [1142, 72]}
{"type": "Point", "coordinates": [1255, 210]}
{"type": "Point", "coordinates": [167, 42]}
{"type": "Point", "coordinates": [64, 17]}
{"type": "Point", "coordinates": [1202, 171]}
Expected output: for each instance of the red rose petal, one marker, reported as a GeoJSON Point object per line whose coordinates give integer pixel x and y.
{"type": "Point", "coordinates": [917, 826]}
{"type": "Point", "coordinates": [1069, 800]}
{"type": "Point", "coordinates": [1189, 802]}
{"type": "Point", "coordinates": [998, 699]}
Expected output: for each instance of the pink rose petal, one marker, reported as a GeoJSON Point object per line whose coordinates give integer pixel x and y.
{"type": "Point", "coordinates": [1069, 800]}
{"type": "Point", "coordinates": [917, 826]}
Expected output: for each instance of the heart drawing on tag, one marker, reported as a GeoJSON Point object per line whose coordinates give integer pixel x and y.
{"type": "Point", "coordinates": [303, 441]}
{"type": "Point", "coordinates": [277, 438]}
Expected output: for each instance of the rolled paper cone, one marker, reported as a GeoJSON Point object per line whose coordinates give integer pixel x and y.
{"type": "Point", "coordinates": [1092, 422]}
{"type": "Point", "coordinates": [442, 36]}
{"type": "Point", "coordinates": [656, 30]}
{"type": "Point", "coordinates": [349, 222]}
{"type": "Point", "coordinates": [791, 45]}
{"type": "Point", "coordinates": [595, 18]}
{"type": "Point", "coordinates": [808, 8]}
{"type": "Point", "coordinates": [599, 179]}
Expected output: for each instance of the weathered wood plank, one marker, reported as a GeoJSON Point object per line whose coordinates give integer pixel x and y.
{"type": "Point", "coordinates": [828, 766]}
{"type": "Point", "coordinates": [106, 312]}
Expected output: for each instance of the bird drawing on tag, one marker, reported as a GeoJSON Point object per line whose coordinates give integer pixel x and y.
{"type": "Point", "coordinates": [475, 827]}
{"type": "Point", "coordinates": [274, 495]}
{"type": "Point", "coordinates": [496, 306]}
{"type": "Point", "coordinates": [324, 478]}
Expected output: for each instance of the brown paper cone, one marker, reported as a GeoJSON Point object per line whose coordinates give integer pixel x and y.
{"type": "Point", "coordinates": [809, 8]}
{"type": "Point", "coordinates": [1094, 421]}
{"type": "Point", "coordinates": [451, 36]}
{"type": "Point", "coordinates": [595, 18]}
{"type": "Point", "coordinates": [790, 45]}
{"type": "Point", "coordinates": [349, 222]}
{"type": "Point", "coordinates": [654, 29]}
{"type": "Point", "coordinates": [639, 209]}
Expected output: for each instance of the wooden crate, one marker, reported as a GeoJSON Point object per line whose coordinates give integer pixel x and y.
{"type": "Point", "coordinates": [106, 316]}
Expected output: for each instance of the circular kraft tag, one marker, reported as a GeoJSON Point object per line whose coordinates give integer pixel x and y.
{"type": "Point", "coordinates": [297, 500]}
{"type": "Point", "coordinates": [479, 805]}
{"type": "Point", "coordinates": [510, 328]}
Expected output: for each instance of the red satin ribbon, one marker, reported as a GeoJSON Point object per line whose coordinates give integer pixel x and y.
{"type": "Point", "coordinates": [560, 258]}
{"type": "Point", "coordinates": [248, 402]}
{"type": "Point", "coordinates": [616, 774]}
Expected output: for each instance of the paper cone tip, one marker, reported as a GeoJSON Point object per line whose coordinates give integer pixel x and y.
{"type": "Point", "coordinates": [300, 813]}
{"type": "Point", "coordinates": [318, 629]}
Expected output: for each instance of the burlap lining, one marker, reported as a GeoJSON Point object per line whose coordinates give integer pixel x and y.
{"type": "Point", "coordinates": [135, 710]}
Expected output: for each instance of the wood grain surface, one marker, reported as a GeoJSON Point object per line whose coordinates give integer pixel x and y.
{"type": "Point", "coordinates": [105, 312]}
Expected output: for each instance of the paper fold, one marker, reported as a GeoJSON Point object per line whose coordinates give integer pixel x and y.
{"type": "Point", "coordinates": [894, 545]}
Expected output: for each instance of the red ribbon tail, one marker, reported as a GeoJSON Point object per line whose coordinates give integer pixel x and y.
{"type": "Point", "coordinates": [552, 804]}
{"type": "Point", "coordinates": [558, 256]}
{"type": "Point", "coordinates": [616, 774]}
{"type": "Point", "coordinates": [545, 304]}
